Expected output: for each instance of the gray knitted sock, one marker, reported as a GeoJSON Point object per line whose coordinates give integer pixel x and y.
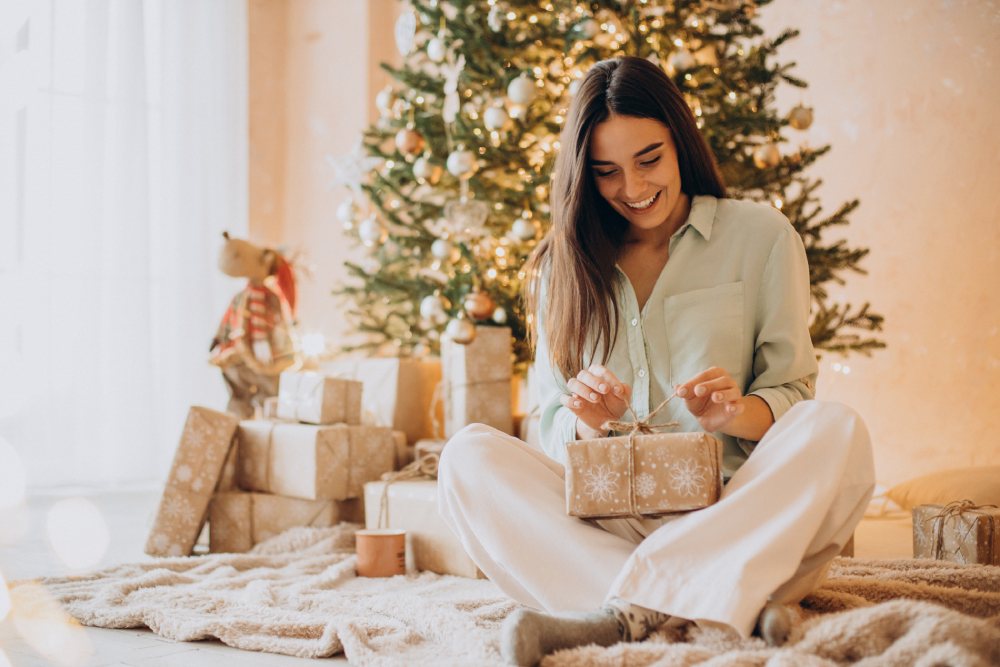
{"type": "Point", "coordinates": [634, 621]}
{"type": "Point", "coordinates": [527, 635]}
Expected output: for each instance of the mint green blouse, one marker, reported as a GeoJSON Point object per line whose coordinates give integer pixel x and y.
{"type": "Point", "coordinates": [734, 294]}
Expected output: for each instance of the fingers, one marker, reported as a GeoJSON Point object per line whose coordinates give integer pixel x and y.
{"type": "Point", "coordinates": [709, 380]}
{"type": "Point", "coordinates": [617, 387]}
{"type": "Point", "coordinates": [573, 402]}
{"type": "Point", "coordinates": [584, 391]}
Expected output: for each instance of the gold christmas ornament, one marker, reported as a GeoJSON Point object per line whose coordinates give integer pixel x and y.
{"type": "Point", "coordinates": [409, 141]}
{"type": "Point", "coordinates": [479, 305]}
{"type": "Point", "coordinates": [800, 117]}
{"type": "Point", "coordinates": [767, 156]}
{"type": "Point", "coordinates": [426, 171]}
{"type": "Point", "coordinates": [461, 330]}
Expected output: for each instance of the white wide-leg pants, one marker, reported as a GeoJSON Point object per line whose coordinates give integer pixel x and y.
{"type": "Point", "coordinates": [785, 514]}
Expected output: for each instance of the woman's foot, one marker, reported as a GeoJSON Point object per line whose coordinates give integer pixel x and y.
{"type": "Point", "coordinates": [774, 624]}
{"type": "Point", "coordinates": [527, 635]}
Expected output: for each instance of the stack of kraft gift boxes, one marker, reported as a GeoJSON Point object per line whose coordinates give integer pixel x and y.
{"type": "Point", "coordinates": [307, 463]}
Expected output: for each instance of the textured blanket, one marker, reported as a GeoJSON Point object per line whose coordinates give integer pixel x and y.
{"type": "Point", "coordinates": [296, 594]}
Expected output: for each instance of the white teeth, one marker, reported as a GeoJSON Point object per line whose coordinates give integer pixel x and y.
{"type": "Point", "coordinates": [645, 203]}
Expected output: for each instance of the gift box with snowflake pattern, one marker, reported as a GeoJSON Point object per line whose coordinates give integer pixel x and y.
{"type": "Point", "coordinates": [202, 452]}
{"type": "Point", "coordinates": [313, 462]}
{"type": "Point", "coordinates": [966, 535]}
{"type": "Point", "coordinates": [239, 521]}
{"type": "Point", "coordinates": [670, 472]}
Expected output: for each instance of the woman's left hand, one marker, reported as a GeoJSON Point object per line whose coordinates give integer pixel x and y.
{"type": "Point", "coordinates": [713, 397]}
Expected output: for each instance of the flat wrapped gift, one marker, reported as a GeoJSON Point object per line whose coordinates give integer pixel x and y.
{"type": "Point", "coordinates": [655, 474]}
{"type": "Point", "coordinates": [477, 381]}
{"type": "Point", "coordinates": [238, 521]}
{"type": "Point", "coordinates": [318, 398]}
{"type": "Point", "coordinates": [412, 506]}
{"type": "Point", "coordinates": [312, 462]}
{"type": "Point", "coordinates": [398, 392]}
{"type": "Point", "coordinates": [961, 532]}
{"type": "Point", "coordinates": [198, 463]}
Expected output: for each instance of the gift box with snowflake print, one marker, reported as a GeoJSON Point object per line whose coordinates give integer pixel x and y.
{"type": "Point", "coordinates": [239, 521]}
{"type": "Point", "coordinates": [313, 462]}
{"type": "Point", "coordinates": [961, 532]}
{"type": "Point", "coordinates": [198, 464]}
{"type": "Point", "coordinates": [664, 473]}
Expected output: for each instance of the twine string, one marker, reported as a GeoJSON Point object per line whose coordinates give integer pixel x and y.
{"type": "Point", "coordinates": [637, 427]}
{"type": "Point", "coordinates": [956, 509]}
{"type": "Point", "coordinates": [425, 467]}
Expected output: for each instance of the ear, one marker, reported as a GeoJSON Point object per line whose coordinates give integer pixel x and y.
{"type": "Point", "coordinates": [267, 257]}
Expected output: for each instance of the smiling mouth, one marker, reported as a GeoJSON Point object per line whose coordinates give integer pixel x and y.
{"type": "Point", "coordinates": [644, 204]}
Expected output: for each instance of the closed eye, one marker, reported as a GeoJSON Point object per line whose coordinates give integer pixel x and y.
{"type": "Point", "coordinates": [648, 163]}
{"type": "Point", "coordinates": [603, 173]}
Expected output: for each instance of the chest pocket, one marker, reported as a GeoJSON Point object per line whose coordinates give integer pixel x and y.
{"type": "Point", "coordinates": [705, 328]}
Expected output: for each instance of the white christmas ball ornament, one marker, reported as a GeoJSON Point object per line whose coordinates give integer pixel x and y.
{"type": "Point", "coordinates": [436, 50]}
{"type": "Point", "coordinates": [682, 60]}
{"type": "Point", "coordinates": [462, 163]}
{"type": "Point", "coordinates": [461, 330]}
{"type": "Point", "coordinates": [432, 309]}
{"type": "Point", "coordinates": [370, 231]}
{"type": "Point", "coordinates": [495, 118]}
{"type": "Point", "coordinates": [406, 31]}
{"type": "Point", "coordinates": [523, 229]}
{"type": "Point", "coordinates": [441, 249]}
{"type": "Point", "coordinates": [522, 90]}
{"type": "Point", "coordinates": [500, 315]}
{"type": "Point", "coordinates": [495, 19]}
{"type": "Point", "coordinates": [384, 100]}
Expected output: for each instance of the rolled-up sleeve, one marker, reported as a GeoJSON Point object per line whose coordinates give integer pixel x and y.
{"type": "Point", "coordinates": [784, 362]}
{"type": "Point", "coordinates": [557, 425]}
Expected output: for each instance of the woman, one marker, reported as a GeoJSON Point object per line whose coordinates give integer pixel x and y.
{"type": "Point", "coordinates": [652, 285]}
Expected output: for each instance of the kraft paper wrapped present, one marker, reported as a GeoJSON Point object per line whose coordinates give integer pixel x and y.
{"type": "Point", "coordinates": [238, 521]}
{"type": "Point", "coordinates": [477, 381]}
{"type": "Point", "coordinates": [202, 452]}
{"type": "Point", "coordinates": [412, 506]}
{"type": "Point", "coordinates": [961, 532]}
{"type": "Point", "coordinates": [657, 474]}
{"type": "Point", "coordinates": [398, 392]}
{"type": "Point", "coordinates": [312, 462]}
{"type": "Point", "coordinates": [318, 398]}
{"type": "Point", "coordinates": [404, 452]}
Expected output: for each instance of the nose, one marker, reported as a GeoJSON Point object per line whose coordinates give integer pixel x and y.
{"type": "Point", "coordinates": [635, 185]}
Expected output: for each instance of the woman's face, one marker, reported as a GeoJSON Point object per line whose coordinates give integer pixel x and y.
{"type": "Point", "coordinates": [634, 164]}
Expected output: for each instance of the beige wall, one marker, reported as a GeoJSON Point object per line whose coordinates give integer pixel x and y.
{"type": "Point", "coordinates": [314, 74]}
{"type": "Point", "coordinates": [905, 91]}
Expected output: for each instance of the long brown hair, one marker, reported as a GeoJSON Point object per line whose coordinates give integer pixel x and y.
{"type": "Point", "coordinates": [579, 253]}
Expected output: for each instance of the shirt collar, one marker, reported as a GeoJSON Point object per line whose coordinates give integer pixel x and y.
{"type": "Point", "coordinates": [701, 216]}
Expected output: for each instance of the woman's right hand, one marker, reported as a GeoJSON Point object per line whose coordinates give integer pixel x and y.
{"type": "Point", "coordinates": [596, 396]}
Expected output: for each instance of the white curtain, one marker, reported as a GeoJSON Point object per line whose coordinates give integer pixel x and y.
{"type": "Point", "coordinates": [123, 156]}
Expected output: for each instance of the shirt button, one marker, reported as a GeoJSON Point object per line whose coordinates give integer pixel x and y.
{"type": "Point", "coordinates": [642, 372]}
{"type": "Point", "coordinates": [634, 321]}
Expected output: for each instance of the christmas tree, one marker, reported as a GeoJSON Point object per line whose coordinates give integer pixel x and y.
{"type": "Point", "coordinates": [452, 182]}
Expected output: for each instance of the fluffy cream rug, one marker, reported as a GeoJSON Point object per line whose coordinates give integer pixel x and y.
{"type": "Point", "coordinates": [296, 594]}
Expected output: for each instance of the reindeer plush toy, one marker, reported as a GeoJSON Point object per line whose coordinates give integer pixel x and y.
{"type": "Point", "coordinates": [254, 342]}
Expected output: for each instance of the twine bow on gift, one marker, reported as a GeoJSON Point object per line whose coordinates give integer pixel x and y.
{"type": "Point", "coordinates": [425, 467]}
{"type": "Point", "coordinates": [954, 510]}
{"type": "Point", "coordinates": [301, 396]}
{"type": "Point", "coordinates": [635, 427]}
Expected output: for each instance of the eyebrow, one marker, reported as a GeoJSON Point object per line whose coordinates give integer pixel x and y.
{"type": "Point", "coordinates": [651, 147]}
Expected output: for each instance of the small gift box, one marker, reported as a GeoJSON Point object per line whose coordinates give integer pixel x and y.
{"type": "Point", "coordinates": [411, 505]}
{"type": "Point", "coordinates": [238, 521]}
{"type": "Point", "coordinates": [313, 462]}
{"type": "Point", "coordinates": [198, 464]}
{"type": "Point", "coordinates": [961, 532]}
{"type": "Point", "coordinates": [644, 473]}
{"type": "Point", "coordinates": [316, 398]}
{"type": "Point", "coordinates": [398, 392]}
{"type": "Point", "coordinates": [477, 381]}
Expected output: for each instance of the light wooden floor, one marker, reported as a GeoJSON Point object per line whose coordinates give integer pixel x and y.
{"type": "Point", "coordinates": [26, 553]}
